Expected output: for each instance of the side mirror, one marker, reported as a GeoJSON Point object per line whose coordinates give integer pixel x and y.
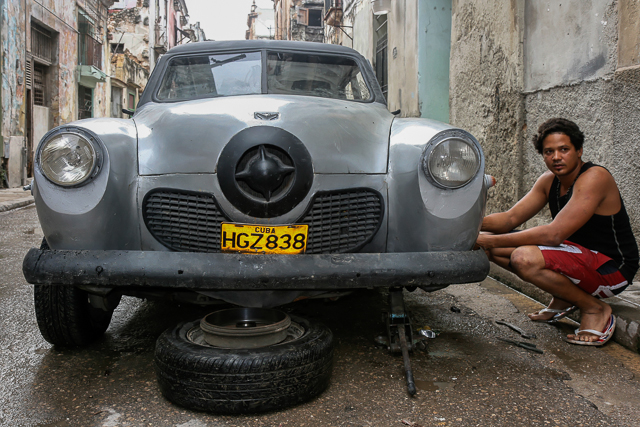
{"type": "Point", "coordinates": [128, 112]}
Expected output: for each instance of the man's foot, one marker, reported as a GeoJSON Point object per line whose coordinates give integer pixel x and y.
{"type": "Point", "coordinates": [603, 337]}
{"type": "Point", "coordinates": [595, 320]}
{"type": "Point", "coordinates": [551, 315]}
{"type": "Point", "coordinates": [557, 310]}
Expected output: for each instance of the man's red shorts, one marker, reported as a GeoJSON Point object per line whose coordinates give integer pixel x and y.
{"type": "Point", "coordinates": [593, 272]}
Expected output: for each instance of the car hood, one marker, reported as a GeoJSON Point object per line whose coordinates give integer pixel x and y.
{"type": "Point", "coordinates": [188, 137]}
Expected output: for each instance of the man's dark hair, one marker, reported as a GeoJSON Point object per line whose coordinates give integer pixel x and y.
{"type": "Point", "coordinates": [558, 125]}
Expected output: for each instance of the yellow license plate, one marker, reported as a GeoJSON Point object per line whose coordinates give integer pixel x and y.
{"type": "Point", "coordinates": [263, 239]}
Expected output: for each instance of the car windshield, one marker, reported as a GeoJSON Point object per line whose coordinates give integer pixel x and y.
{"type": "Point", "coordinates": [315, 75]}
{"type": "Point", "coordinates": [288, 73]}
{"type": "Point", "coordinates": [212, 75]}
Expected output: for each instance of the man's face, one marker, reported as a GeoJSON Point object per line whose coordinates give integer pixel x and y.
{"type": "Point", "coordinates": [559, 154]}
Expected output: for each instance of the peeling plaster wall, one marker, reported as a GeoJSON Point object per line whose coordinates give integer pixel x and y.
{"type": "Point", "coordinates": [581, 30]}
{"type": "Point", "coordinates": [64, 78]}
{"type": "Point", "coordinates": [486, 81]}
{"type": "Point", "coordinates": [402, 51]}
{"type": "Point", "coordinates": [361, 18]}
{"type": "Point", "coordinates": [131, 28]}
{"type": "Point", "coordinates": [13, 46]}
{"type": "Point", "coordinates": [402, 28]}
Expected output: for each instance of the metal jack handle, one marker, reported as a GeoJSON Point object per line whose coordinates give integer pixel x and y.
{"type": "Point", "coordinates": [400, 333]}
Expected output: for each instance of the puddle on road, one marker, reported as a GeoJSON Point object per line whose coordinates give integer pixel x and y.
{"type": "Point", "coordinates": [433, 385]}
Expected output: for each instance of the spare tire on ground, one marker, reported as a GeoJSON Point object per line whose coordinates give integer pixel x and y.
{"type": "Point", "coordinates": [196, 375]}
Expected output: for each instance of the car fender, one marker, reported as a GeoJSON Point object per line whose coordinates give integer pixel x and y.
{"type": "Point", "coordinates": [423, 216]}
{"type": "Point", "coordinates": [102, 213]}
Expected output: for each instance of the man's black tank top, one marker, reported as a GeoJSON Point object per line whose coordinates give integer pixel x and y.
{"type": "Point", "coordinates": [610, 235]}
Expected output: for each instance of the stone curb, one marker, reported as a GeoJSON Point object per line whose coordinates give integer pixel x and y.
{"type": "Point", "coordinates": [626, 306]}
{"type": "Point", "coordinates": [15, 204]}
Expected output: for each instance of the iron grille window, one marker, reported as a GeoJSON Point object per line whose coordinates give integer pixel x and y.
{"type": "Point", "coordinates": [38, 84]}
{"type": "Point", "coordinates": [41, 43]}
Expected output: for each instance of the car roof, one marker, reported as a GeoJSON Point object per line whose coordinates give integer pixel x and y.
{"type": "Point", "coordinates": [209, 46]}
{"type": "Point", "coordinates": [244, 45]}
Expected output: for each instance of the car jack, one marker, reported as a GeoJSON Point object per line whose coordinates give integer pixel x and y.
{"type": "Point", "coordinates": [400, 334]}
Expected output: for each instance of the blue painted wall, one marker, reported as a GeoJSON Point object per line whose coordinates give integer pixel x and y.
{"type": "Point", "coordinates": [434, 47]}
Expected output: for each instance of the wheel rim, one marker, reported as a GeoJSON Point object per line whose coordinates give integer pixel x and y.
{"type": "Point", "coordinates": [245, 328]}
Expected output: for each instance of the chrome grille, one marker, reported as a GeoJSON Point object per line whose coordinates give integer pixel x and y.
{"type": "Point", "coordinates": [184, 221]}
{"type": "Point", "coordinates": [339, 221]}
{"type": "Point", "coordinates": [342, 221]}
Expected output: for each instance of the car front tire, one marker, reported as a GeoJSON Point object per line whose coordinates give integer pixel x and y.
{"type": "Point", "coordinates": [65, 316]}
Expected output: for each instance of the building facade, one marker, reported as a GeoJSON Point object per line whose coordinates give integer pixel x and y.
{"type": "Point", "coordinates": [54, 71]}
{"type": "Point", "coordinates": [65, 60]}
{"type": "Point", "coordinates": [300, 20]}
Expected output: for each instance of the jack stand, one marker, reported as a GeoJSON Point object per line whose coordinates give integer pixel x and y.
{"type": "Point", "coordinates": [400, 333]}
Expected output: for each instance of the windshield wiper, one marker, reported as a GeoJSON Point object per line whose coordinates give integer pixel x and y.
{"type": "Point", "coordinates": [217, 63]}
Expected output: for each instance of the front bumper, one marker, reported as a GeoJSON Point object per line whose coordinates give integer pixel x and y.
{"type": "Point", "coordinates": [215, 271]}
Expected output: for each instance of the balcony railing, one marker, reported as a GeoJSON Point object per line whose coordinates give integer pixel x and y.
{"type": "Point", "coordinates": [90, 51]}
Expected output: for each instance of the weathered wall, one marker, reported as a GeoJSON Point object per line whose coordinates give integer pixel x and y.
{"type": "Point", "coordinates": [403, 57]}
{"type": "Point", "coordinates": [485, 88]}
{"type": "Point", "coordinates": [13, 46]}
{"type": "Point", "coordinates": [301, 32]}
{"type": "Point", "coordinates": [629, 33]}
{"type": "Point", "coordinates": [581, 30]}
{"type": "Point", "coordinates": [361, 18]}
{"type": "Point", "coordinates": [131, 28]}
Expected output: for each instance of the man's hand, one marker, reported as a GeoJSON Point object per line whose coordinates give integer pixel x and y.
{"type": "Point", "coordinates": [484, 241]}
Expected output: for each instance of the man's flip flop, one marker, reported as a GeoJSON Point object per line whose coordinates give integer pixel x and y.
{"type": "Point", "coordinates": [558, 314]}
{"type": "Point", "coordinates": [603, 336]}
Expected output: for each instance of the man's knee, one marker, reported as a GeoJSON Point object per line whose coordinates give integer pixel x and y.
{"type": "Point", "coordinates": [526, 259]}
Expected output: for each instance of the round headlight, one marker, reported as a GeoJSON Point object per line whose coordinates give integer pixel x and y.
{"type": "Point", "coordinates": [452, 163]}
{"type": "Point", "coordinates": [67, 159]}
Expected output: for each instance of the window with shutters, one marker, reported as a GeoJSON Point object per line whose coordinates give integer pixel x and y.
{"type": "Point", "coordinates": [303, 16]}
{"type": "Point", "coordinates": [90, 48]}
{"type": "Point", "coordinates": [42, 44]}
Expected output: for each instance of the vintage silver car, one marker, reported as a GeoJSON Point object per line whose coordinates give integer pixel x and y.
{"type": "Point", "coordinates": [255, 173]}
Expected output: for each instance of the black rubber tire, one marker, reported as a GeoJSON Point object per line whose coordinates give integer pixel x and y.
{"type": "Point", "coordinates": [240, 381]}
{"type": "Point", "coordinates": [65, 316]}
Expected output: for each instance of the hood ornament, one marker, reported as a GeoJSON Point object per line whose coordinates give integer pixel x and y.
{"type": "Point", "coordinates": [265, 173]}
{"type": "Point", "coordinates": [266, 115]}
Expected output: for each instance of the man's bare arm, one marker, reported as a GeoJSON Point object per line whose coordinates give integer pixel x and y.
{"type": "Point", "coordinates": [522, 211]}
{"type": "Point", "coordinates": [589, 192]}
